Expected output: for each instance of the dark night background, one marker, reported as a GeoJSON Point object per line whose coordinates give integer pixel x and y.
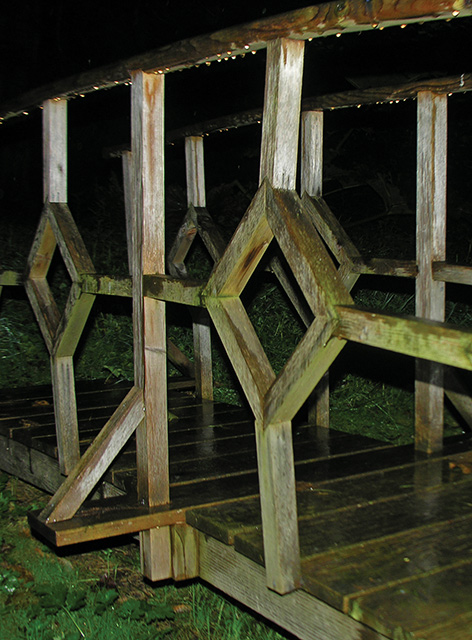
{"type": "Point", "coordinates": [46, 41]}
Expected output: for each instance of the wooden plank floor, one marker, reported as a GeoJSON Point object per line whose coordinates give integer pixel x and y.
{"type": "Point", "coordinates": [386, 536]}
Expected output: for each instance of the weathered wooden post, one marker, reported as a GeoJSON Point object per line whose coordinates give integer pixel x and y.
{"type": "Point", "coordinates": [312, 184]}
{"type": "Point", "coordinates": [279, 150]}
{"type": "Point", "coordinates": [149, 326]}
{"type": "Point", "coordinates": [196, 197]}
{"type": "Point", "coordinates": [430, 247]}
{"type": "Point", "coordinates": [60, 332]}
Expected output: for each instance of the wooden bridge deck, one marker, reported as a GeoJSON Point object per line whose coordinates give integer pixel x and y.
{"type": "Point", "coordinates": [384, 532]}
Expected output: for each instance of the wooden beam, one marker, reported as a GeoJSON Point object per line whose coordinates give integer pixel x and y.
{"type": "Point", "coordinates": [149, 325]}
{"type": "Point", "coordinates": [312, 185]}
{"type": "Point", "coordinates": [96, 460]}
{"type": "Point", "coordinates": [430, 247]}
{"type": "Point", "coordinates": [459, 274]}
{"type": "Point", "coordinates": [278, 167]}
{"type": "Point", "coordinates": [279, 147]}
{"type": "Point", "coordinates": [243, 348]}
{"type": "Point", "coordinates": [62, 228]}
{"type": "Point", "coordinates": [196, 197]}
{"type": "Point", "coordinates": [305, 368]}
{"type": "Point", "coordinates": [106, 285]}
{"type": "Point", "coordinates": [299, 613]}
{"type": "Point", "coordinates": [181, 291]}
{"type": "Point", "coordinates": [310, 22]}
{"type": "Point", "coordinates": [247, 247]}
{"type": "Point", "coordinates": [305, 252]}
{"type": "Point", "coordinates": [415, 337]}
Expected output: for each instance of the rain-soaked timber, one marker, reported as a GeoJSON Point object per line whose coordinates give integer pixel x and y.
{"type": "Point", "coordinates": [328, 534]}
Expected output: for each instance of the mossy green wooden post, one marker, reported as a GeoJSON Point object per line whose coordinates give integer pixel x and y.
{"type": "Point", "coordinates": [149, 326]}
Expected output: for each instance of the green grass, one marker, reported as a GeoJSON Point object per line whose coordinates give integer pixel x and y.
{"type": "Point", "coordinates": [98, 594]}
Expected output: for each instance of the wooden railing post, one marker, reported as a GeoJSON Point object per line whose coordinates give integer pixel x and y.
{"type": "Point", "coordinates": [312, 184]}
{"type": "Point", "coordinates": [149, 326]}
{"type": "Point", "coordinates": [62, 366]}
{"type": "Point", "coordinates": [279, 151]}
{"type": "Point", "coordinates": [196, 196]}
{"type": "Point", "coordinates": [430, 247]}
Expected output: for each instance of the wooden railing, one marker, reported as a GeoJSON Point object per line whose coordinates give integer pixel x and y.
{"type": "Point", "coordinates": [303, 227]}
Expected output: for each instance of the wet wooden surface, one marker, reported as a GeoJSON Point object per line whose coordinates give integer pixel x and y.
{"type": "Point", "coordinates": [384, 532]}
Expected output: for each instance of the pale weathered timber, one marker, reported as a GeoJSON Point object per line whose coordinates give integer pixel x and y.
{"type": "Point", "coordinates": [196, 197]}
{"type": "Point", "coordinates": [459, 274]}
{"type": "Point", "coordinates": [149, 325]}
{"type": "Point", "coordinates": [278, 167]}
{"type": "Point", "coordinates": [279, 505]}
{"type": "Point", "coordinates": [244, 349]}
{"type": "Point", "coordinates": [335, 237]}
{"type": "Point", "coordinates": [248, 244]}
{"type": "Point", "coordinates": [430, 247]}
{"type": "Point", "coordinates": [298, 612]}
{"type": "Point", "coordinates": [55, 150]}
{"type": "Point", "coordinates": [281, 116]}
{"type": "Point", "coordinates": [424, 339]}
{"type": "Point", "coordinates": [312, 183]}
{"type": "Point", "coordinates": [315, 21]}
{"type": "Point", "coordinates": [306, 367]}
{"type": "Point", "coordinates": [96, 460]}
{"type": "Point", "coordinates": [60, 333]}
{"type": "Point", "coordinates": [305, 253]}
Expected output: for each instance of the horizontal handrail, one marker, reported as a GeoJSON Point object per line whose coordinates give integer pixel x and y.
{"type": "Point", "coordinates": [330, 18]}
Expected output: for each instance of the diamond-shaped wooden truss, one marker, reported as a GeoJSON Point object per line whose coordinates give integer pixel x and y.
{"type": "Point", "coordinates": [57, 228]}
{"type": "Point", "coordinates": [197, 221]}
{"type": "Point", "coordinates": [281, 215]}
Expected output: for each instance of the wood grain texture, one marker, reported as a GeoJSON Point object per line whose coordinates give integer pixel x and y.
{"type": "Point", "coordinates": [244, 349]}
{"type": "Point", "coordinates": [306, 254]}
{"type": "Point", "coordinates": [148, 250]}
{"type": "Point", "coordinates": [281, 117]}
{"type": "Point", "coordinates": [196, 197]}
{"type": "Point", "coordinates": [311, 359]}
{"type": "Point", "coordinates": [248, 244]}
{"type": "Point", "coordinates": [310, 22]}
{"type": "Point", "coordinates": [276, 473]}
{"type": "Point", "coordinates": [412, 336]}
{"type": "Point", "coordinates": [430, 247]}
{"type": "Point", "coordinates": [96, 460]}
{"type": "Point", "coordinates": [298, 612]}
{"type": "Point", "coordinates": [444, 272]}
{"type": "Point", "coordinates": [55, 150]}
{"type": "Point", "coordinates": [65, 412]}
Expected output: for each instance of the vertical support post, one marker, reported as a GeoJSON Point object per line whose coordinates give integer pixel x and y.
{"type": "Point", "coordinates": [196, 196]}
{"type": "Point", "coordinates": [62, 366]}
{"type": "Point", "coordinates": [149, 328]}
{"type": "Point", "coordinates": [279, 151]}
{"type": "Point", "coordinates": [430, 247]}
{"type": "Point", "coordinates": [312, 184]}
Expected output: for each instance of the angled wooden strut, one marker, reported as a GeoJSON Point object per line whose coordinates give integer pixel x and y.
{"type": "Point", "coordinates": [96, 460]}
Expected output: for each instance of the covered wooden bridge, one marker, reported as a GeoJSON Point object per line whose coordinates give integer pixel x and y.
{"type": "Point", "coordinates": [331, 536]}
